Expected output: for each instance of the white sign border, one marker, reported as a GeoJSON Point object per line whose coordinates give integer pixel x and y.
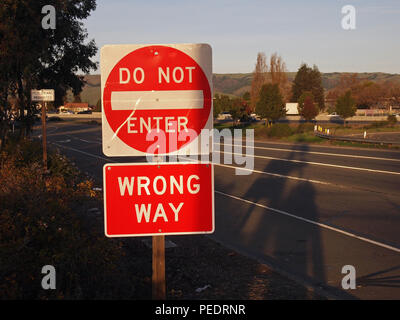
{"type": "Point", "coordinates": [110, 55]}
{"type": "Point", "coordinates": [160, 233]}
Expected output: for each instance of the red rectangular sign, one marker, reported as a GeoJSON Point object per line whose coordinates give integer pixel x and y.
{"type": "Point", "coordinates": [144, 199]}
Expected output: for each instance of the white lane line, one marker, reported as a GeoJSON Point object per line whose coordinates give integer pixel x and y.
{"type": "Point", "coordinates": [269, 173]}
{"type": "Point", "coordinates": [87, 141]}
{"type": "Point", "coordinates": [83, 152]}
{"type": "Point", "coordinates": [316, 163]}
{"type": "Point", "coordinates": [218, 164]}
{"type": "Point", "coordinates": [319, 153]}
{"type": "Point", "coordinates": [301, 179]}
{"type": "Point", "coordinates": [268, 208]}
{"type": "Point", "coordinates": [349, 234]}
{"type": "Point", "coordinates": [328, 147]}
{"type": "Point", "coordinates": [275, 174]}
{"type": "Point", "coordinates": [296, 161]}
{"type": "Point", "coordinates": [83, 140]}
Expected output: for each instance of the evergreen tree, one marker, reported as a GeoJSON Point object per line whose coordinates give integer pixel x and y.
{"type": "Point", "coordinates": [346, 106]}
{"type": "Point", "coordinates": [32, 57]}
{"type": "Point", "coordinates": [270, 104]}
{"type": "Point", "coordinates": [221, 103]}
{"type": "Point", "coordinates": [246, 97]}
{"type": "Point", "coordinates": [308, 79]}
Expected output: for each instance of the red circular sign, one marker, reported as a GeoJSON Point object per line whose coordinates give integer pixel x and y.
{"type": "Point", "coordinates": [148, 72]}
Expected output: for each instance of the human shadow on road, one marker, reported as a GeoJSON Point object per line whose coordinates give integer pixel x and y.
{"type": "Point", "coordinates": [277, 230]}
{"type": "Point", "coordinates": [377, 279]}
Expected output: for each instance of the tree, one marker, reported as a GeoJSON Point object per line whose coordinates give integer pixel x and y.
{"type": "Point", "coordinates": [368, 94]}
{"type": "Point", "coordinates": [394, 94]}
{"type": "Point", "coordinates": [98, 106]}
{"type": "Point", "coordinates": [259, 79]}
{"type": "Point", "coordinates": [237, 109]}
{"type": "Point", "coordinates": [246, 97]}
{"type": "Point", "coordinates": [391, 119]}
{"type": "Point", "coordinates": [270, 105]}
{"type": "Point", "coordinates": [277, 74]}
{"type": "Point", "coordinates": [77, 98]}
{"type": "Point", "coordinates": [307, 107]}
{"type": "Point", "coordinates": [309, 79]}
{"type": "Point", "coordinates": [32, 57]}
{"type": "Point", "coordinates": [346, 106]}
{"type": "Point", "coordinates": [221, 103]}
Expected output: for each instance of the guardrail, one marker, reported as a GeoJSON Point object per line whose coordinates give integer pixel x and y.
{"type": "Point", "coordinates": [360, 140]}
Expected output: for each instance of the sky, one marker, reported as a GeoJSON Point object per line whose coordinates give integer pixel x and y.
{"type": "Point", "coordinates": [308, 31]}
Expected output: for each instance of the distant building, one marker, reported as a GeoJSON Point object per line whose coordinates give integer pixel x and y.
{"type": "Point", "coordinates": [291, 108]}
{"type": "Point", "coordinates": [74, 107]}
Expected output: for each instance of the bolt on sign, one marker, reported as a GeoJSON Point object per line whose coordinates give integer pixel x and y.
{"type": "Point", "coordinates": [156, 99]}
{"type": "Point", "coordinates": [144, 199]}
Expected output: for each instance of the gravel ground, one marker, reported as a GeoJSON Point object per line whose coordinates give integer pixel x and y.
{"type": "Point", "coordinates": [200, 264]}
{"type": "Point", "coordinates": [197, 267]}
{"type": "Point", "coordinates": [200, 268]}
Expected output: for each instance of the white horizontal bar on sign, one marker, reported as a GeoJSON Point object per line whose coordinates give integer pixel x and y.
{"type": "Point", "coordinates": [152, 100]}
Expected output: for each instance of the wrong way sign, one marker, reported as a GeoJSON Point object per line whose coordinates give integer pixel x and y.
{"type": "Point", "coordinates": [156, 99]}
{"type": "Point", "coordinates": [143, 199]}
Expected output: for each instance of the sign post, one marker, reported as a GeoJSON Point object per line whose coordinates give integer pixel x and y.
{"type": "Point", "coordinates": [158, 287]}
{"type": "Point", "coordinates": [44, 137]}
{"type": "Point", "coordinates": [158, 199]}
{"type": "Point", "coordinates": [41, 96]}
{"type": "Point", "coordinates": [156, 100]}
{"type": "Point", "coordinates": [158, 262]}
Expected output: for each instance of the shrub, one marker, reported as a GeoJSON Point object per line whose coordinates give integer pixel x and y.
{"type": "Point", "coordinates": [377, 124]}
{"type": "Point", "coordinates": [391, 119]}
{"type": "Point", "coordinates": [346, 105]}
{"type": "Point", "coordinates": [279, 130]}
{"type": "Point", "coordinates": [43, 222]}
{"type": "Point", "coordinates": [304, 127]}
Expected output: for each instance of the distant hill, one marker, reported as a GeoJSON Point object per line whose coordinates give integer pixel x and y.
{"type": "Point", "coordinates": [235, 84]}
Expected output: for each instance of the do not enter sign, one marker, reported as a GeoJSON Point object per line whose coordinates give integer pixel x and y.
{"type": "Point", "coordinates": [156, 98]}
{"type": "Point", "coordinates": [142, 199]}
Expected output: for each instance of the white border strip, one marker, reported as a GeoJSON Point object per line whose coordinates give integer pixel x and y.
{"type": "Point", "coordinates": [160, 233]}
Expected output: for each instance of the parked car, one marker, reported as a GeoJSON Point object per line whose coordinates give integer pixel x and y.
{"type": "Point", "coordinates": [85, 112]}
{"type": "Point", "coordinates": [255, 117]}
{"type": "Point", "coordinates": [333, 114]}
{"type": "Point", "coordinates": [224, 116]}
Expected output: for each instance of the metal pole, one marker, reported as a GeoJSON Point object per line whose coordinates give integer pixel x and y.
{"type": "Point", "coordinates": [158, 278]}
{"type": "Point", "coordinates": [44, 135]}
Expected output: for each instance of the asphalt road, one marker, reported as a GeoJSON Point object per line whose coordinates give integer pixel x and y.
{"type": "Point", "coordinates": [306, 210]}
